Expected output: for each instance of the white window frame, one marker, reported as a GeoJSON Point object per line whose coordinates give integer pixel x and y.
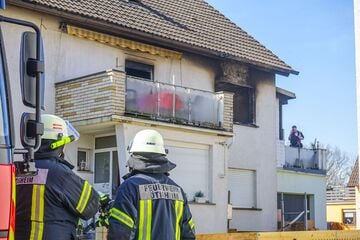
{"type": "Point", "coordinates": [87, 160]}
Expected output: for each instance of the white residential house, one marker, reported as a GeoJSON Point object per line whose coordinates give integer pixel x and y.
{"type": "Point", "coordinates": [357, 66]}
{"type": "Point", "coordinates": [182, 68]}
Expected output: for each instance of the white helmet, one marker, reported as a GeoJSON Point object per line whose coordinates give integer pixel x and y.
{"type": "Point", "coordinates": [147, 141]}
{"type": "Point", "coordinates": [55, 128]}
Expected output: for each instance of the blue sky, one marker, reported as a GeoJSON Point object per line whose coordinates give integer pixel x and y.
{"type": "Point", "coordinates": [316, 38]}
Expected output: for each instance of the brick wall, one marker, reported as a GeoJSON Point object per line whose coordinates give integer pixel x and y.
{"type": "Point", "coordinates": [228, 111]}
{"type": "Point", "coordinates": [90, 97]}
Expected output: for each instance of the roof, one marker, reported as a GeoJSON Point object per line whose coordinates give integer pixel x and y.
{"type": "Point", "coordinates": [285, 93]}
{"type": "Point", "coordinates": [354, 178]}
{"type": "Point", "coordinates": [190, 22]}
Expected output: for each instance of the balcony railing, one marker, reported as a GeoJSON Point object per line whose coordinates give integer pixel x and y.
{"type": "Point", "coordinates": [166, 102]}
{"type": "Point", "coordinates": [301, 159]}
{"type": "Point", "coordinates": [111, 95]}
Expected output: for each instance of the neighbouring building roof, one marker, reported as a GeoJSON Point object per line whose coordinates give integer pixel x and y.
{"type": "Point", "coordinates": [354, 178]}
{"type": "Point", "coordinates": [190, 22]}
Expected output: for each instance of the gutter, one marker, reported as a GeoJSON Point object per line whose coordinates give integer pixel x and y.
{"type": "Point", "coordinates": [116, 30]}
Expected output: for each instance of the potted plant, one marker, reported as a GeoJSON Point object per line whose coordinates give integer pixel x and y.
{"type": "Point", "coordinates": [200, 197]}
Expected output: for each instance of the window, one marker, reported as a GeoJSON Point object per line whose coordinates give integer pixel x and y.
{"type": "Point", "coordinates": [349, 216]}
{"type": "Point", "coordinates": [244, 105]}
{"type": "Point", "coordinates": [83, 160]}
{"type": "Point", "coordinates": [102, 167]}
{"type": "Point", "coordinates": [139, 70]}
{"type": "Point", "coordinates": [195, 178]}
{"type": "Point", "coordinates": [242, 187]}
{"type": "Point", "coordinates": [105, 142]}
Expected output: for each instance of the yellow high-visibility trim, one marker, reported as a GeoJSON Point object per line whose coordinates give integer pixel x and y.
{"type": "Point", "coordinates": [84, 197]}
{"type": "Point", "coordinates": [149, 219]}
{"type": "Point", "coordinates": [191, 223]}
{"type": "Point", "coordinates": [141, 220]}
{"type": "Point", "coordinates": [122, 42]}
{"type": "Point", "coordinates": [145, 220]}
{"type": "Point", "coordinates": [122, 217]}
{"type": "Point", "coordinates": [179, 206]}
{"type": "Point", "coordinates": [37, 212]}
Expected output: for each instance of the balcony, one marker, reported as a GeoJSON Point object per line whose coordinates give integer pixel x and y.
{"type": "Point", "coordinates": [165, 102]}
{"type": "Point", "coordinates": [111, 94]}
{"type": "Point", "coordinates": [301, 159]}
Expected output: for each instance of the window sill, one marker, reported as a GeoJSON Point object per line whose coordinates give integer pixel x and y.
{"type": "Point", "coordinates": [246, 124]}
{"type": "Point", "coordinates": [247, 209]}
{"type": "Point", "coordinates": [207, 203]}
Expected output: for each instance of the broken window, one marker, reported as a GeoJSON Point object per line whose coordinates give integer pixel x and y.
{"type": "Point", "coordinates": [244, 105]}
{"type": "Point", "coordinates": [139, 70]}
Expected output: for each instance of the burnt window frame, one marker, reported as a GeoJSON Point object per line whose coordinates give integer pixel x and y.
{"type": "Point", "coordinates": [139, 66]}
{"type": "Point", "coordinates": [252, 105]}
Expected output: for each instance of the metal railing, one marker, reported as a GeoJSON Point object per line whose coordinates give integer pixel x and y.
{"type": "Point", "coordinates": [301, 159]}
{"type": "Point", "coordinates": [166, 102]}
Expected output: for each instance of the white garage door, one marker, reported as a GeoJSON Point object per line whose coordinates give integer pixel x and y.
{"type": "Point", "coordinates": [192, 171]}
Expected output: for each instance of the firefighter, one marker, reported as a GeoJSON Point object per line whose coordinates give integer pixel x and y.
{"type": "Point", "coordinates": [51, 201]}
{"type": "Point", "coordinates": [149, 205]}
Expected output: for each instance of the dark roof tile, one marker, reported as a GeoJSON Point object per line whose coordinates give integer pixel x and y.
{"type": "Point", "coordinates": [354, 178]}
{"type": "Point", "coordinates": [193, 22]}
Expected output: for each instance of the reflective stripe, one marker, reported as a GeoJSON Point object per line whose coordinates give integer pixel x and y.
{"type": "Point", "coordinates": [84, 198]}
{"type": "Point", "coordinates": [37, 212]}
{"type": "Point", "coordinates": [191, 223]}
{"type": "Point", "coordinates": [179, 206]}
{"type": "Point", "coordinates": [121, 217]}
{"type": "Point", "coordinates": [145, 220]}
{"type": "Point", "coordinates": [11, 234]}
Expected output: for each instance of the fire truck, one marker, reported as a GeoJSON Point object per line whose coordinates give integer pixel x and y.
{"type": "Point", "coordinates": [32, 91]}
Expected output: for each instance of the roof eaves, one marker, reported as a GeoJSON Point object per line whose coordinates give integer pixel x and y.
{"type": "Point", "coordinates": [134, 34]}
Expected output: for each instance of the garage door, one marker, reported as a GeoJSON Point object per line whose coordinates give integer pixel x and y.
{"type": "Point", "coordinates": [192, 171]}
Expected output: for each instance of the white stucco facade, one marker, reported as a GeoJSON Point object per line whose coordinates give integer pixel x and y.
{"type": "Point", "coordinates": [290, 182]}
{"type": "Point", "coordinates": [357, 68]}
{"type": "Point", "coordinates": [253, 147]}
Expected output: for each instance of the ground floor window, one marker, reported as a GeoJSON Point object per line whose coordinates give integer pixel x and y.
{"type": "Point", "coordinates": [291, 211]}
{"type": "Point", "coordinates": [349, 216]}
{"type": "Point", "coordinates": [192, 169]}
{"type": "Point", "coordinates": [242, 187]}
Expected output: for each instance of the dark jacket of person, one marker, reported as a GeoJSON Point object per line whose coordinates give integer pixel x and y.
{"type": "Point", "coordinates": [149, 205]}
{"type": "Point", "coordinates": [50, 202]}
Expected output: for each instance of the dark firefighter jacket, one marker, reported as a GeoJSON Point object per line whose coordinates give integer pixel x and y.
{"type": "Point", "coordinates": [150, 206]}
{"type": "Point", "coordinates": [50, 203]}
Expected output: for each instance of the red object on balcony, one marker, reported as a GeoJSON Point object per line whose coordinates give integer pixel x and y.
{"type": "Point", "coordinates": [7, 201]}
{"type": "Point", "coordinates": [148, 102]}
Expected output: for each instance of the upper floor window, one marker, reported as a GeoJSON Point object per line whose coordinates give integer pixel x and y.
{"type": "Point", "coordinates": [139, 70]}
{"type": "Point", "coordinates": [244, 105]}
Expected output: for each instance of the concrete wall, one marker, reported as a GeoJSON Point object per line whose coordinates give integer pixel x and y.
{"type": "Point", "coordinates": [312, 184]}
{"type": "Point", "coordinates": [69, 57]}
{"type": "Point", "coordinates": [254, 148]}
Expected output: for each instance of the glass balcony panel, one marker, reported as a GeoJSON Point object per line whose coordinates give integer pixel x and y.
{"type": "Point", "coordinates": [141, 97]}
{"type": "Point", "coordinates": [167, 98]}
{"type": "Point", "coordinates": [204, 108]}
{"type": "Point", "coordinates": [173, 103]}
{"type": "Point", "coordinates": [182, 111]}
